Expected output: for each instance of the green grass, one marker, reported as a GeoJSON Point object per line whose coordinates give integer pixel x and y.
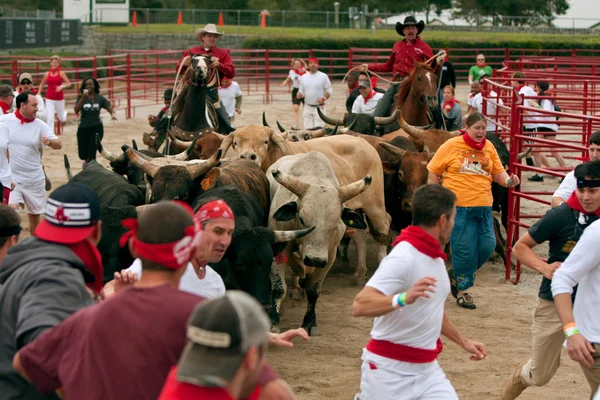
{"type": "Point", "coordinates": [347, 33]}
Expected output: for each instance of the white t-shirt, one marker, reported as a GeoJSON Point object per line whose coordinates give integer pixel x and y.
{"type": "Point", "coordinates": [470, 100]}
{"type": "Point", "coordinates": [583, 267]}
{"type": "Point", "coordinates": [567, 187]}
{"type": "Point", "coordinates": [528, 91]}
{"type": "Point", "coordinates": [210, 287]}
{"type": "Point", "coordinates": [295, 78]}
{"type": "Point", "coordinates": [314, 86]}
{"type": "Point", "coordinates": [41, 112]}
{"type": "Point", "coordinates": [490, 106]}
{"type": "Point", "coordinates": [4, 166]}
{"type": "Point", "coordinates": [25, 141]}
{"type": "Point", "coordinates": [546, 120]}
{"type": "Point", "coordinates": [360, 107]}
{"type": "Point", "coordinates": [228, 96]}
{"type": "Point", "coordinates": [418, 324]}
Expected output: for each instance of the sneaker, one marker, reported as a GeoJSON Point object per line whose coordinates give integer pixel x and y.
{"type": "Point", "coordinates": [536, 178]}
{"type": "Point", "coordinates": [529, 161]}
{"type": "Point", "coordinates": [513, 386]}
{"type": "Point", "coordinates": [466, 301]}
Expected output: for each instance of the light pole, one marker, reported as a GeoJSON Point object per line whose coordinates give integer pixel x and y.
{"type": "Point", "coordinates": [337, 13]}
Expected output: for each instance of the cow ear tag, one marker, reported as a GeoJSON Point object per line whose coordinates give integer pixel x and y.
{"type": "Point", "coordinates": [210, 179]}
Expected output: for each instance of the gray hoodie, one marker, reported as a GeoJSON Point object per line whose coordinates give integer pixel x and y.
{"type": "Point", "coordinates": [41, 285]}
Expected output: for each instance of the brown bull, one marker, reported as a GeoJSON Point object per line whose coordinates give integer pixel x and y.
{"type": "Point", "coordinates": [351, 160]}
{"type": "Point", "coordinates": [428, 140]}
{"type": "Point", "coordinates": [206, 145]}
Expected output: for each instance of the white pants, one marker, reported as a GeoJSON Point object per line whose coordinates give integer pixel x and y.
{"type": "Point", "coordinates": [386, 379]}
{"type": "Point", "coordinates": [32, 194]}
{"type": "Point", "coordinates": [311, 117]}
{"type": "Point", "coordinates": [59, 107]}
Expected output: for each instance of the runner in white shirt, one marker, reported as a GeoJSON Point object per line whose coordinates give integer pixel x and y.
{"type": "Point", "coordinates": [26, 133]}
{"type": "Point", "coordinates": [316, 88]}
{"type": "Point", "coordinates": [5, 173]}
{"type": "Point", "coordinates": [471, 108]}
{"type": "Point", "coordinates": [26, 85]}
{"type": "Point", "coordinates": [298, 69]}
{"type": "Point", "coordinates": [491, 108]}
{"type": "Point", "coordinates": [400, 361]}
{"type": "Point", "coordinates": [231, 97]}
{"type": "Point", "coordinates": [569, 183]}
{"type": "Point", "coordinates": [368, 99]}
{"type": "Point", "coordinates": [6, 99]}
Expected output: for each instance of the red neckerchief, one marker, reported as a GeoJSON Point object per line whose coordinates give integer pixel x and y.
{"type": "Point", "coordinates": [422, 241]}
{"type": "Point", "coordinates": [164, 109]}
{"type": "Point", "coordinates": [225, 85]}
{"type": "Point", "coordinates": [583, 159]}
{"type": "Point", "coordinates": [574, 203]}
{"type": "Point", "coordinates": [481, 66]}
{"type": "Point", "coordinates": [32, 91]}
{"type": "Point", "coordinates": [354, 87]}
{"type": "Point", "coordinates": [369, 96]}
{"type": "Point", "coordinates": [448, 103]}
{"type": "Point", "coordinates": [5, 107]}
{"type": "Point", "coordinates": [89, 254]}
{"type": "Point", "coordinates": [22, 118]}
{"type": "Point", "coordinates": [302, 71]}
{"type": "Point", "coordinates": [471, 143]}
{"type": "Point", "coordinates": [520, 87]}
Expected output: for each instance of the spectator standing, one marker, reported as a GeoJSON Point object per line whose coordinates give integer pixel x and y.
{"type": "Point", "coordinates": [167, 96]}
{"type": "Point", "coordinates": [451, 109]}
{"type": "Point", "coordinates": [57, 81]}
{"type": "Point", "coordinates": [315, 88]}
{"type": "Point", "coordinates": [491, 107]}
{"type": "Point", "coordinates": [26, 85]}
{"type": "Point", "coordinates": [231, 96]}
{"type": "Point", "coordinates": [43, 279]}
{"type": "Point", "coordinates": [90, 103]}
{"type": "Point", "coordinates": [352, 82]}
{"type": "Point", "coordinates": [5, 172]}
{"type": "Point", "coordinates": [294, 75]}
{"type": "Point", "coordinates": [407, 296]}
{"type": "Point", "coordinates": [562, 227]}
{"type": "Point", "coordinates": [6, 99]}
{"type": "Point", "coordinates": [471, 107]}
{"type": "Point", "coordinates": [26, 135]}
{"type": "Point", "coordinates": [368, 99]}
{"type": "Point", "coordinates": [469, 165]}
{"type": "Point", "coordinates": [225, 353]}
{"type": "Point", "coordinates": [546, 129]}
{"type": "Point", "coordinates": [479, 69]}
{"type": "Point", "coordinates": [448, 74]}
{"type": "Point", "coordinates": [10, 229]}
{"type": "Point", "coordinates": [569, 183]}
{"type": "Point", "coordinates": [518, 83]}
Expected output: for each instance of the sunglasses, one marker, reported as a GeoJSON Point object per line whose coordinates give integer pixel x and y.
{"type": "Point", "coordinates": [481, 59]}
{"type": "Point", "coordinates": [26, 82]}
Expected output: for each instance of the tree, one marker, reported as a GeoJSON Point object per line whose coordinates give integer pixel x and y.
{"type": "Point", "coordinates": [511, 12]}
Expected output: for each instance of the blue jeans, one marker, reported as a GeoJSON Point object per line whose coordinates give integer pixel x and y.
{"type": "Point", "coordinates": [472, 242]}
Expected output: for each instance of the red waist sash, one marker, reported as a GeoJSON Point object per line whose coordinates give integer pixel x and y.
{"type": "Point", "coordinates": [400, 352]}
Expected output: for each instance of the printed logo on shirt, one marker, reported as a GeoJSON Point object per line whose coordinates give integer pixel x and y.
{"type": "Point", "coordinates": [568, 246]}
{"type": "Point", "coordinates": [474, 163]}
{"type": "Point", "coordinates": [90, 106]}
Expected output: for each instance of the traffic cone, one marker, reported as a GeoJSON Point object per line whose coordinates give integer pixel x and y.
{"type": "Point", "coordinates": [263, 21]}
{"type": "Point", "coordinates": [134, 19]}
{"type": "Point", "coordinates": [179, 19]}
{"type": "Point", "coordinates": [220, 19]}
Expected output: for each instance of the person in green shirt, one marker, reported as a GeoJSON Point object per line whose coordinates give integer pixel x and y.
{"type": "Point", "coordinates": [477, 71]}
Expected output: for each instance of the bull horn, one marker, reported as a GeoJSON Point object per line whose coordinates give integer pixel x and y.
{"type": "Point", "coordinates": [68, 168]}
{"type": "Point", "coordinates": [227, 142]}
{"type": "Point", "coordinates": [281, 128]}
{"type": "Point", "coordinates": [455, 133]}
{"type": "Point", "coordinates": [387, 120]}
{"type": "Point", "coordinates": [106, 154]}
{"type": "Point", "coordinates": [335, 130]}
{"type": "Point", "coordinates": [524, 154]}
{"type": "Point", "coordinates": [294, 185]}
{"type": "Point", "coordinates": [352, 190]}
{"type": "Point", "coordinates": [134, 144]}
{"type": "Point", "coordinates": [148, 189]}
{"type": "Point", "coordinates": [141, 209]}
{"type": "Point", "coordinates": [330, 121]}
{"type": "Point", "coordinates": [146, 166]}
{"type": "Point", "coordinates": [397, 151]}
{"type": "Point", "coordinates": [184, 155]}
{"type": "Point", "coordinates": [203, 167]}
{"type": "Point", "coordinates": [351, 126]}
{"type": "Point", "coordinates": [286, 236]}
{"type": "Point", "coordinates": [411, 130]}
{"type": "Point", "coordinates": [177, 142]}
{"type": "Point", "coordinates": [141, 155]}
{"type": "Point", "coordinates": [265, 123]}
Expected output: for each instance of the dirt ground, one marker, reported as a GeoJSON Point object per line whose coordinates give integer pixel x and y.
{"type": "Point", "coordinates": [328, 367]}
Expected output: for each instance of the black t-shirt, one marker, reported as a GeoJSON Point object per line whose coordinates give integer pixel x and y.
{"type": "Point", "coordinates": [90, 110]}
{"type": "Point", "coordinates": [561, 227]}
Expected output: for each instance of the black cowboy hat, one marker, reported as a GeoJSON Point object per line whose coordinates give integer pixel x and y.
{"type": "Point", "coordinates": [410, 20]}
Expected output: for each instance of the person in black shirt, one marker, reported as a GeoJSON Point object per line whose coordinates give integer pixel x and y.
{"type": "Point", "coordinates": [448, 78]}
{"type": "Point", "coordinates": [167, 96]}
{"type": "Point", "coordinates": [89, 104]}
{"type": "Point", "coordinates": [561, 227]}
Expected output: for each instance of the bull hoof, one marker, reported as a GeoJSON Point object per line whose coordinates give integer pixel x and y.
{"type": "Point", "coordinates": [360, 277]}
{"type": "Point", "coordinates": [312, 330]}
{"type": "Point", "coordinates": [297, 294]}
{"type": "Point", "coordinates": [275, 329]}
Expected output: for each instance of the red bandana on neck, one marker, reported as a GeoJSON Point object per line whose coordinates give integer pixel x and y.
{"type": "Point", "coordinates": [89, 254]}
{"type": "Point", "coordinates": [574, 203]}
{"type": "Point", "coordinates": [354, 87]}
{"type": "Point", "coordinates": [301, 71]}
{"type": "Point", "coordinates": [225, 85]}
{"type": "Point", "coordinates": [32, 91]}
{"type": "Point", "coordinates": [369, 96]}
{"type": "Point", "coordinates": [5, 107]}
{"type": "Point", "coordinates": [448, 103]}
{"type": "Point", "coordinates": [422, 241]}
{"type": "Point", "coordinates": [472, 143]}
{"type": "Point", "coordinates": [520, 87]}
{"type": "Point", "coordinates": [22, 118]}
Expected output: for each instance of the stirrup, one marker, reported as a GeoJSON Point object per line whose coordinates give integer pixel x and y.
{"type": "Point", "coordinates": [217, 105]}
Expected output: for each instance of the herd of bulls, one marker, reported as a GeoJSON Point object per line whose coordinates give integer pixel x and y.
{"type": "Point", "coordinates": [295, 195]}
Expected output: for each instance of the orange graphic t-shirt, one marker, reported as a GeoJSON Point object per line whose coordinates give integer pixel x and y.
{"type": "Point", "coordinates": [466, 171]}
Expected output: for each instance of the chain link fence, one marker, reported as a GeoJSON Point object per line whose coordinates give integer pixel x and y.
{"type": "Point", "coordinates": [34, 14]}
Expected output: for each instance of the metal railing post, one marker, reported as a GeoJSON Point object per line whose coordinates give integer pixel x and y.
{"type": "Point", "coordinates": [267, 77]}
{"type": "Point", "coordinates": [128, 84]}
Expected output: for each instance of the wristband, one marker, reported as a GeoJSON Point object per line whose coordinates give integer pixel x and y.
{"type": "Point", "coordinates": [508, 182]}
{"type": "Point", "coordinates": [570, 330]}
{"type": "Point", "coordinates": [399, 300]}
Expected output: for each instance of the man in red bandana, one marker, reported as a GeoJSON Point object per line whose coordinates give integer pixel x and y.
{"type": "Point", "coordinates": [406, 296]}
{"type": "Point", "coordinates": [368, 99]}
{"type": "Point", "coordinates": [6, 99]}
{"type": "Point", "coordinates": [26, 136]}
{"type": "Point", "coordinates": [561, 227]}
{"type": "Point", "coordinates": [43, 279]}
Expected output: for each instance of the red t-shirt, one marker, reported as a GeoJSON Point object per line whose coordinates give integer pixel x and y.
{"type": "Point", "coordinates": [175, 390]}
{"type": "Point", "coordinates": [403, 54]}
{"type": "Point", "coordinates": [226, 68]}
{"type": "Point", "coordinates": [122, 348]}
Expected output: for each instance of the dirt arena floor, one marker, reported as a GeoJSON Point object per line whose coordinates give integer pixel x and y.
{"type": "Point", "coordinates": [328, 367]}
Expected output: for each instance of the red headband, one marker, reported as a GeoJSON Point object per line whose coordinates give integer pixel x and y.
{"type": "Point", "coordinates": [313, 59]}
{"type": "Point", "coordinates": [172, 255]}
{"type": "Point", "coordinates": [213, 210]}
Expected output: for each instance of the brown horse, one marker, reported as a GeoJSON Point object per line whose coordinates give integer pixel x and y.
{"type": "Point", "coordinates": [418, 96]}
